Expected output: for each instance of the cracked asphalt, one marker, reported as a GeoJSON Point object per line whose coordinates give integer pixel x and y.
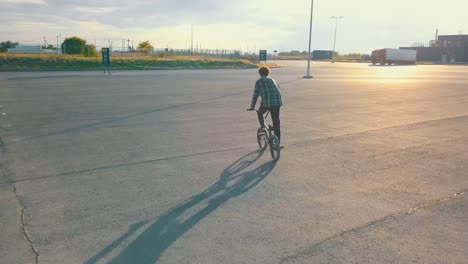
{"type": "Point", "coordinates": [163, 167]}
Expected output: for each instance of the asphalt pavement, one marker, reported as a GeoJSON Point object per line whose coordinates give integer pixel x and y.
{"type": "Point", "coordinates": [163, 167]}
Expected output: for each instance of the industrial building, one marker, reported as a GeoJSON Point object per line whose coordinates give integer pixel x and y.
{"type": "Point", "coordinates": [446, 48]}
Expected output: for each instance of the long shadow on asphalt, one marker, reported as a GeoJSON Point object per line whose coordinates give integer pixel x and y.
{"type": "Point", "coordinates": [152, 243]}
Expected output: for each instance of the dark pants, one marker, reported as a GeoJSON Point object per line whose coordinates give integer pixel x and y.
{"type": "Point", "coordinates": [275, 117]}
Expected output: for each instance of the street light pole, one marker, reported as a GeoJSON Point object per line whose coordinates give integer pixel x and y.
{"type": "Point", "coordinates": [308, 76]}
{"type": "Point", "coordinates": [334, 40]}
{"type": "Point", "coordinates": [191, 41]}
{"type": "Point", "coordinates": [58, 41]}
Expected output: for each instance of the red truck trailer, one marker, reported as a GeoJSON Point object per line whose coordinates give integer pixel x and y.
{"type": "Point", "coordinates": [394, 56]}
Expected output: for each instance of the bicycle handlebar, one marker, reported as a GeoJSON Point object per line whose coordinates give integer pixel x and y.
{"type": "Point", "coordinates": [256, 110]}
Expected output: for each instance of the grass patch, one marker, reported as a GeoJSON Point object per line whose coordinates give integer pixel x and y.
{"type": "Point", "coordinates": [270, 65]}
{"type": "Point", "coordinates": [50, 62]}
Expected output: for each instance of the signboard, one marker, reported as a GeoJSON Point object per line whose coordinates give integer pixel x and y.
{"type": "Point", "coordinates": [263, 55]}
{"type": "Point", "coordinates": [105, 56]}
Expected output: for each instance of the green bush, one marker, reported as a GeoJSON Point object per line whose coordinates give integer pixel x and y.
{"type": "Point", "coordinates": [89, 51]}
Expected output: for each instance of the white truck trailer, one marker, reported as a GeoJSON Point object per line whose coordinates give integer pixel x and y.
{"type": "Point", "coordinates": [394, 56]}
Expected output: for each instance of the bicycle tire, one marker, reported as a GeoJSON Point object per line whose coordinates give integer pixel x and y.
{"type": "Point", "coordinates": [262, 139]}
{"type": "Point", "coordinates": [275, 148]}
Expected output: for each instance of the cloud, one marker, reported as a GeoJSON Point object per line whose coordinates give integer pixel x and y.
{"type": "Point", "coordinates": [367, 24]}
{"type": "Point", "coordinates": [38, 2]}
{"type": "Point", "coordinates": [95, 10]}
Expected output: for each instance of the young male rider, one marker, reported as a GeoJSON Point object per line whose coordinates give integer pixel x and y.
{"type": "Point", "coordinates": [270, 93]}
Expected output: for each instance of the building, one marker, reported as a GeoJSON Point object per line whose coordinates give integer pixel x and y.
{"type": "Point", "coordinates": [322, 55]}
{"type": "Point", "coordinates": [454, 47]}
{"type": "Point", "coordinates": [447, 48]}
{"type": "Point", "coordinates": [32, 49]}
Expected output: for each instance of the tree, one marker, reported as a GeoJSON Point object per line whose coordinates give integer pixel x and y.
{"type": "Point", "coordinates": [50, 46]}
{"type": "Point", "coordinates": [145, 47]}
{"type": "Point", "coordinates": [74, 45]}
{"type": "Point", "coordinates": [89, 51]}
{"type": "Point", "coordinates": [7, 44]}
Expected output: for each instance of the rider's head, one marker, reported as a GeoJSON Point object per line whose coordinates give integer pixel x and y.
{"type": "Point", "coordinates": [264, 71]}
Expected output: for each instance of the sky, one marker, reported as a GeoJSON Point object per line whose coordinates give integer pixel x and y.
{"type": "Point", "coordinates": [247, 25]}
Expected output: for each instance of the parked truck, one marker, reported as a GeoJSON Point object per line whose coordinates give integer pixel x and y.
{"type": "Point", "coordinates": [394, 56]}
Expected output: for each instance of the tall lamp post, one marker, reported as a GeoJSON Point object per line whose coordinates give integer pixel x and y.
{"type": "Point", "coordinates": [58, 41]}
{"type": "Point", "coordinates": [308, 76]}
{"type": "Point", "coordinates": [191, 41]}
{"type": "Point", "coordinates": [334, 40]}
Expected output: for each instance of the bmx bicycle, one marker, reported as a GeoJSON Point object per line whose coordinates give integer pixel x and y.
{"type": "Point", "coordinates": [266, 138]}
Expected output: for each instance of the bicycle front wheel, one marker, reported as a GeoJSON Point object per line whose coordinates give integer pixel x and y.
{"type": "Point", "coordinates": [275, 148]}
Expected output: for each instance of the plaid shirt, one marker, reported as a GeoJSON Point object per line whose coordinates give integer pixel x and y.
{"type": "Point", "coordinates": [269, 91]}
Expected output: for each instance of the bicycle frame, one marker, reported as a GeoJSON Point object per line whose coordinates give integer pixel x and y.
{"type": "Point", "coordinates": [270, 127]}
{"type": "Point", "coordinates": [270, 138]}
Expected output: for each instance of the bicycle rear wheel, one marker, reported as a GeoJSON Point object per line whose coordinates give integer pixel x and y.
{"type": "Point", "coordinates": [262, 139]}
{"type": "Point", "coordinates": [275, 148]}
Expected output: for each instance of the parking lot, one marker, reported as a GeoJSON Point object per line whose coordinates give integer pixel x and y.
{"type": "Point", "coordinates": [163, 167]}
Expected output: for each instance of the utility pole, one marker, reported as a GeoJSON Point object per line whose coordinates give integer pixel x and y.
{"type": "Point", "coordinates": [334, 41]}
{"type": "Point", "coordinates": [308, 76]}
{"type": "Point", "coordinates": [128, 47]}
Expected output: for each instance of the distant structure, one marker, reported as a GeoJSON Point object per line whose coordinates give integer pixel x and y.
{"type": "Point", "coordinates": [322, 55]}
{"type": "Point", "coordinates": [32, 49]}
{"type": "Point", "coordinates": [444, 48]}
